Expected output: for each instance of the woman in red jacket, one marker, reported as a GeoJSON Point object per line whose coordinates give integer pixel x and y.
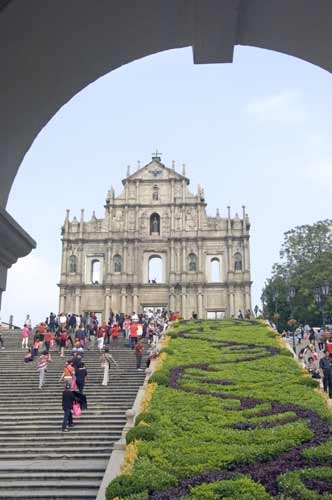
{"type": "Point", "coordinates": [115, 334]}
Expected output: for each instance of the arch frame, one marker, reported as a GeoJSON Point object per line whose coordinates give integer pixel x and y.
{"type": "Point", "coordinates": [209, 259]}
{"type": "Point", "coordinates": [147, 256]}
{"type": "Point", "coordinates": [89, 260]}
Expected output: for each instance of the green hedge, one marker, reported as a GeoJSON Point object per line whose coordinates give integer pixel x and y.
{"type": "Point", "coordinates": [241, 488]}
{"type": "Point", "coordinates": [190, 430]}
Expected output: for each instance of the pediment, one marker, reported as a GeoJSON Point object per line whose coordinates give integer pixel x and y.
{"type": "Point", "coordinates": [154, 171]}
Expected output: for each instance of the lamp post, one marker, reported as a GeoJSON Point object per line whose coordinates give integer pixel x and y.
{"type": "Point", "coordinates": [290, 295]}
{"type": "Point", "coordinates": [320, 294]}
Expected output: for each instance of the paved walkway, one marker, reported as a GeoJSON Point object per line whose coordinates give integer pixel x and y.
{"type": "Point", "coordinates": [289, 342]}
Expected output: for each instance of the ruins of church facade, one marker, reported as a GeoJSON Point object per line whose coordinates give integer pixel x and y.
{"type": "Point", "coordinates": [204, 262]}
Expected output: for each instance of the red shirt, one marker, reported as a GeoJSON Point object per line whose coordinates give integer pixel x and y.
{"type": "Point", "coordinates": [133, 329]}
{"type": "Point", "coordinates": [139, 349]}
{"type": "Point", "coordinates": [115, 330]}
{"type": "Point", "coordinates": [48, 337]}
{"type": "Point", "coordinates": [63, 336]}
{"type": "Point", "coordinates": [329, 346]}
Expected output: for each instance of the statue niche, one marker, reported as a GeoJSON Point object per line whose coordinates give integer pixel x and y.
{"type": "Point", "coordinates": [155, 224]}
{"type": "Point", "coordinates": [192, 262]}
{"type": "Point", "coordinates": [237, 262]}
{"type": "Point", "coordinates": [72, 264]}
{"type": "Point", "coordinates": [117, 263]}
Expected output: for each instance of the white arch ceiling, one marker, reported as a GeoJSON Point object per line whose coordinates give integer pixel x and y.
{"type": "Point", "coordinates": [50, 50]}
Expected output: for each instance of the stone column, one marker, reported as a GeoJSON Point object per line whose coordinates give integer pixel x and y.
{"type": "Point", "coordinates": [135, 300]}
{"type": "Point", "coordinates": [200, 259]}
{"type": "Point", "coordinates": [64, 261]}
{"type": "Point", "coordinates": [79, 270]}
{"type": "Point", "coordinates": [246, 255]}
{"type": "Point", "coordinates": [247, 297]}
{"type": "Point", "coordinates": [107, 304]}
{"type": "Point", "coordinates": [184, 302]}
{"type": "Point", "coordinates": [234, 302]}
{"type": "Point", "coordinates": [62, 304]}
{"type": "Point", "coordinates": [229, 256]}
{"type": "Point", "coordinates": [172, 304]}
{"type": "Point", "coordinates": [78, 301]}
{"type": "Point", "coordinates": [123, 300]}
{"type": "Point", "coordinates": [108, 264]}
{"type": "Point", "coordinates": [136, 262]}
{"type": "Point", "coordinates": [124, 258]}
{"type": "Point", "coordinates": [184, 257]}
{"type": "Point", "coordinates": [198, 213]}
{"type": "Point", "coordinates": [171, 261]}
{"type": "Point", "coordinates": [200, 303]}
{"type": "Point", "coordinates": [231, 310]}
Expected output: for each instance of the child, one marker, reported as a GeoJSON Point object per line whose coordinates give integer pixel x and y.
{"type": "Point", "coordinates": [28, 356]}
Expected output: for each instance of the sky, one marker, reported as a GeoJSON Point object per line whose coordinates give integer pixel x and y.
{"type": "Point", "coordinates": [256, 132]}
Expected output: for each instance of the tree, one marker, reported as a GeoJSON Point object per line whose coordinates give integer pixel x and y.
{"type": "Point", "coordinates": [307, 259]}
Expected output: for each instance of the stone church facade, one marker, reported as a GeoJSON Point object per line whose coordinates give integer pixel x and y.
{"type": "Point", "coordinates": [205, 261]}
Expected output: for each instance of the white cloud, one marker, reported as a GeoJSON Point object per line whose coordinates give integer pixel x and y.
{"type": "Point", "coordinates": [284, 108]}
{"type": "Point", "coordinates": [31, 289]}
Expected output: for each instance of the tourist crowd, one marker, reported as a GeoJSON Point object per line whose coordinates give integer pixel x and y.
{"type": "Point", "coordinates": [78, 333]}
{"type": "Point", "coordinates": [313, 347]}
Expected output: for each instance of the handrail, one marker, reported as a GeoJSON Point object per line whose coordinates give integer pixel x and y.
{"type": "Point", "coordinates": [11, 325]}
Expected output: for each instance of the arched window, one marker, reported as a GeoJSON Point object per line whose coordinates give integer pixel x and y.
{"type": "Point", "coordinates": [192, 262]}
{"type": "Point", "coordinates": [155, 224]}
{"type": "Point", "coordinates": [155, 269]}
{"type": "Point", "coordinates": [72, 264]}
{"type": "Point", "coordinates": [155, 193]}
{"type": "Point", "coordinates": [215, 269]}
{"type": "Point", "coordinates": [95, 271]}
{"type": "Point", "coordinates": [117, 263]}
{"type": "Point", "coordinates": [237, 262]}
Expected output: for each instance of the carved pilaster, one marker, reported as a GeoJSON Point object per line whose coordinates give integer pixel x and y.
{"type": "Point", "coordinates": [124, 257]}
{"type": "Point", "coordinates": [77, 301]}
{"type": "Point", "coordinates": [123, 300]}
{"type": "Point", "coordinates": [107, 307]}
{"type": "Point", "coordinates": [184, 302]}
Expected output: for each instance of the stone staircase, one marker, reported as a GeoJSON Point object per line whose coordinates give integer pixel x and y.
{"type": "Point", "coordinates": [37, 460]}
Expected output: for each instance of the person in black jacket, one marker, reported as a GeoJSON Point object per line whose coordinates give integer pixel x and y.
{"type": "Point", "coordinates": [325, 365]}
{"type": "Point", "coordinates": [67, 405]}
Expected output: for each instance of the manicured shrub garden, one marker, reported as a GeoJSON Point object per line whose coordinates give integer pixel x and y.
{"type": "Point", "coordinates": [232, 417]}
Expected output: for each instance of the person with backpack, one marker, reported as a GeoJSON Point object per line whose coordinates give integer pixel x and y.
{"type": "Point", "coordinates": [63, 342]}
{"type": "Point", "coordinates": [68, 373]}
{"type": "Point", "coordinates": [106, 360]}
{"type": "Point", "coordinates": [81, 374]}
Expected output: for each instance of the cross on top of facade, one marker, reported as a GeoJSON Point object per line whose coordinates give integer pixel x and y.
{"type": "Point", "coordinates": [156, 155]}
